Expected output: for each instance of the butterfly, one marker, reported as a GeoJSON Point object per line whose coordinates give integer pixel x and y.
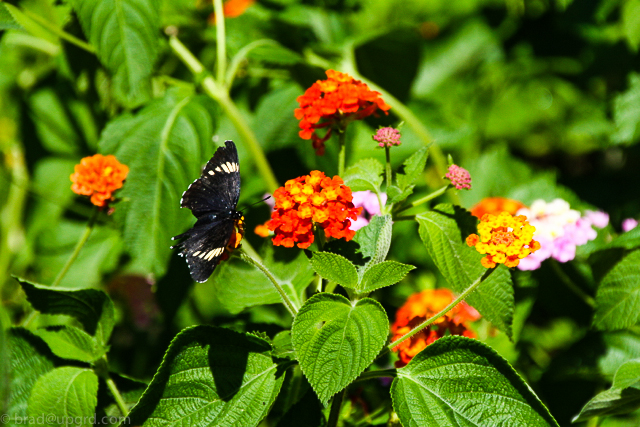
{"type": "Point", "coordinates": [213, 199]}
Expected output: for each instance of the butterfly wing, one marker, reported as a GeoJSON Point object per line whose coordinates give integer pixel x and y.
{"type": "Point", "coordinates": [204, 245]}
{"type": "Point", "coordinates": [218, 188]}
{"type": "Point", "coordinates": [210, 198]}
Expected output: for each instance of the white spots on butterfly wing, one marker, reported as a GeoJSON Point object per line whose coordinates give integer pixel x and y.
{"type": "Point", "coordinates": [218, 169]}
{"type": "Point", "coordinates": [196, 253]}
{"type": "Point", "coordinates": [225, 167]}
{"type": "Point", "coordinates": [211, 173]}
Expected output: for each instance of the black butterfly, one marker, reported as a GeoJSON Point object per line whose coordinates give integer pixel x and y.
{"type": "Point", "coordinates": [213, 199]}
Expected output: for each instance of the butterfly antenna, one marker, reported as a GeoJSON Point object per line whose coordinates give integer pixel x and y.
{"type": "Point", "coordinates": [259, 201]}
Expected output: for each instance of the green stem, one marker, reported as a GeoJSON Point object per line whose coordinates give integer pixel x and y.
{"type": "Point", "coordinates": [336, 404]}
{"type": "Point", "coordinates": [285, 299]}
{"type": "Point", "coordinates": [572, 286]}
{"type": "Point", "coordinates": [439, 192]}
{"type": "Point", "coordinates": [444, 311]}
{"type": "Point", "coordinates": [219, 94]}
{"type": "Point", "coordinates": [221, 43]}
{"type": "Point", "coordinates": [72, 258]}
{"type": "Point", "coordinates": [59, 32]}
{"type": "Point", "coordinates": [342, 153]}
{"type": "Point", "coordinates": [387, 152]}
{"type": "Point", "coordinates": [380, 373]}
{"type": "Point", "coordinates": [117, 396]}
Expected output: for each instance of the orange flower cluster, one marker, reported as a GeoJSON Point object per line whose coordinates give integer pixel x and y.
{"type": "Point", "coordinates": [420, 307]}
{"type": "Point", "coordinates": [98, 176]}
{"type": "Point", "coordinates": [338, 100]}
{"type": "Point", "coordinates": [231, 9]}
{"type": "Point", "coordinates": [495, 205]}
{"type": "Point", "coordinates": [308, 200]}
{"type": "Point", "coordinates": [506, 239]}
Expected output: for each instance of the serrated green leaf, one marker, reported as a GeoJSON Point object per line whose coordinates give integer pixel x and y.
{"type": "Point", "coordinates": [443, 231]}
{"type": "Point", "coordinates": [364, 175]}
{"type": "Point", "coordinates": [66, 393]}
{"type": "Point", "coordinates": [386, 273]}
{"type": "Point", "coordinates": [125, 36]}
{"type": "Point", "coordinates": [627, 375]}
{"type": "Point", "coordinates": [375, 238]}
{"type": "Point", "coordinates": [7, 22]}
{"type": "Point", "coordinates": [29, 24]}
{"type": "Point", "coordinates": [237, 285]}
{"type": "Point", "coordinates": [336, 340]}
{"type": "Point", "coordinates": [272, 52]}
{"type": "Point", "coordinates": [30, 359]}
{"type": "Point", "coordinates": [459, 381]}
{"type": "Point", "coordinates": [614, 401]}
{"type": "Point", "coordinates": [165, 146]}
{"type": "Point", "coordinates": [282, 346]}
{"type": "Point", "coordinates": [93, 308]}
{"type": "Point", "coordinates": [335, 268]}
{"type": "Point", "coordinates": [211, 377]}
{"type": "Point", "coordinates": [626, 113]}
{"type": "Point", "coordinates": [618, 296]}
{"type": "Point", "coordinates": [70, 342]}
{"type": "Point", "coordinates": [413, 168]}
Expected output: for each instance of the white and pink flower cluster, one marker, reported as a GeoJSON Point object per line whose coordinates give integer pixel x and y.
{"type": "Point", "coordinates": [368, 201]}
{"type": "Point", "coordinates": [559, 229]}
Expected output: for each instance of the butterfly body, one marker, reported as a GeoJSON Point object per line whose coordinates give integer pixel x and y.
{"type": "Point", "coordinates": [212, 199]}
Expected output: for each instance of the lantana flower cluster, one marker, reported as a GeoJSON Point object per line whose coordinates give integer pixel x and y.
{"type": "Point", "coordinates": [368, 201]}
{"type": "Point", "coordinates": [559, 229]}
{"type": "Point", "coordinates": [99, 177]}
{"type": "Point", "coordinates": [459, 177]}
{"type": "Point", "coordinates": [420, 307]}
{"type": "Point", "coordinates": [308, 200]}
{"type": "Point", "coordinates": [496, 205]}
{"type": "Point", "coordinates": [505, 239]}
{"type": "Point", "coordinates": [337, 101]}
{"type": "Point", "coordinates": [387, 137]}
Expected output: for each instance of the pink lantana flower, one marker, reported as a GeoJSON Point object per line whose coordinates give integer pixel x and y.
{"type": "Point", "coordinates": [368, 201]}
{"type": "Point", "coordinates": [387, 137]}
{"type": "Point", "coordinates": [629, 224]}
{"type": "Point", "coordinates": [459, 177]}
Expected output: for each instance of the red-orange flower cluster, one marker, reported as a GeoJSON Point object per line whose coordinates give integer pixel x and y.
{"type": "Point", "coordinates": [421, 306]}
{"type": "Point", "coordinates": [495, 205]}
{"type": "Point", "coordinates": [338, 100]}
{"type": "Point", "coordinates": [231, 9]}
{"type": "Point", "coordinates": [98, 176]}
{"type": "Point", "coordinates": [308, 200]}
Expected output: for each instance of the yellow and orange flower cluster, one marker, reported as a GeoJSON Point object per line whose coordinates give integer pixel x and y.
{"type": "Point", "coordinates": [308, 200]}
{"type": "Point", "coordinates": [338, 100]}
{"type": "Point", "coordinates": [420, 307]}
{"type": "Point", "coordinates": [98, 176]}
{"type": "Point", "coordinates": [495, 205]}
{"type": "Point", "coordinates": [506, 239]}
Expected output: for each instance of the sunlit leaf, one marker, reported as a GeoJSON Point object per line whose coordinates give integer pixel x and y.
{"type": "Point", "coordinates": [70, 342]}
{"type": "Point", "coordinates": [618, 297]}
{"type": "Point", "coordinates": [386, 273]}
{"type": "Point", "coordinates": [364, 175]}
{"type": "Point", "coordinates": [335, 268]}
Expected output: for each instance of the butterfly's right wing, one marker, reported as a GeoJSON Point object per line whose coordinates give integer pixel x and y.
{"type": "Point", "coordinates": [218, 188]}
{"type": "Point", "coordinates": [204, 245]}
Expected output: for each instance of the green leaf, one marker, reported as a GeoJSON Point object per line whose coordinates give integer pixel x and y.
{"type": "Point", "coordinates": [7, 22]}
{"type": "Point", "coordinates": [614, 401]}
{"type": "Point", "coordinates": [631, 22]}
{"type": "Point", "coordinates": [238, 285]}
{"type": "Point", "coordinates": [125, 36]}
{"type": "Point", "coordinates": [375, 238]}
{"type": "Point", "coordinates": [30, 359]}
{"type": "Point", "coordinates": [443, 231]}
{"type": "Point", "coordinates": [627, 375]}
{"type": "Point", "coordinates": [626, 113]}
{"type": "Point", "coordinates": [93, 308]}
{"type": "Point", "coordinates": [70, 342]}
{"type": "Point", "coordinates": [165, 146]}
{"type": "Point", "coordinates": [66, 393]}
{"type": "Point", "coordinates": [459, 381]}
{"type": "Point", "coordinates": [364, 175]}
{"type": "Point", "coordinates": [335, 268]}
{"type": "Point", "coordinates": [211, 377]}
{"type": "Point", "coordinates": [282, 346]}
{"type": "Point", "coordinates": [413, 168]}
{"type": "Point", "coordinates": [386, 273]}
{"type": "Point", "coordinates": [618, 296]}
{"type": "Point", "coordinates": [336, 340]}
{"type": "Point", "coordinates": [270, 51]}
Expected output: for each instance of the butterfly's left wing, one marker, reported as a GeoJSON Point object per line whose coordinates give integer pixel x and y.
{"type": "Point", "coordinates": [204, 245]}
{"type": "Point", "coordinates": [218, 188]}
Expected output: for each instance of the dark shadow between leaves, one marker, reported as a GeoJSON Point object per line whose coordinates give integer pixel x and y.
{"type": "Point", "coordinates": [466, 222]}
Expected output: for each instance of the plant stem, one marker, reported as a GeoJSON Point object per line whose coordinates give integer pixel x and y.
{"type": "Point", "coordinates": [572, 286]}
{"type": "Point", "coordinates": [439, 192]}
{"type": "Point", "coordinates": [379, 373]}
{"type": "Point", "coordinates": [444, 311]}
{"type": "Point", "coordinates": [117, 396]}
{"type": "Point", "coordinates": [336, 404]}
{"type": "Point", "coordinates": [285, 299]}
{"type": "Point", "coordinates": [59, 32]}
{"type": "Point", "coordinates": [342, 153]}
{"type": "Point", "coordinates": [221, 43]}
{"type": "Point", "coordinates": [72, 258]}
{"type": "Point", "coordinates": [219, 94]}
{"type": "Point", "coordinates": [387, 152]}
